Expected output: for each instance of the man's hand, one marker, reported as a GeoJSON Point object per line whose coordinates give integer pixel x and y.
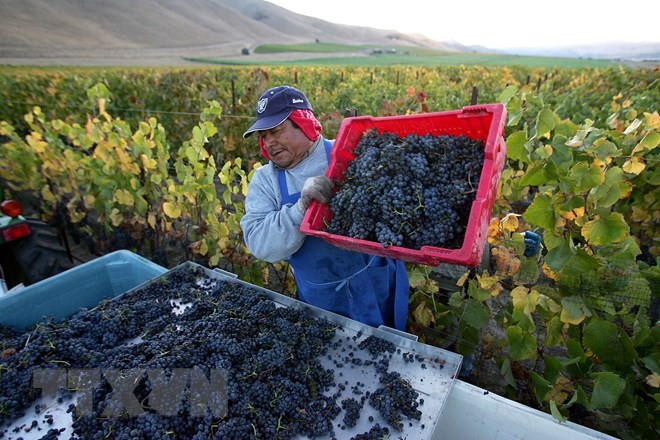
{"type": "Point", "coordinates": [317, 188]}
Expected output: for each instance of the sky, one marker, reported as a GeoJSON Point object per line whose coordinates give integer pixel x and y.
{"type": "Point", "coordinates": [497, 24]}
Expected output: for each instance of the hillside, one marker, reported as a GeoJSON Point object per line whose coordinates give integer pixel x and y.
{"type": "Point", "coordinates": [153, 32]}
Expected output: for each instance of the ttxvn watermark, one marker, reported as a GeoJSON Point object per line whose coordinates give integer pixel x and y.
{"type": "Point", "coordinates": [167, 390]}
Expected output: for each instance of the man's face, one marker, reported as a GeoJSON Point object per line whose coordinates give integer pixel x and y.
{"type": "Point", "coordinates": [286, 144]}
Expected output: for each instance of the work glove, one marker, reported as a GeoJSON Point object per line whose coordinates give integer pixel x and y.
{"type": "Point", "coordinates": [317, 188]}
{"type": "Point", "coordinates": [532, 243]}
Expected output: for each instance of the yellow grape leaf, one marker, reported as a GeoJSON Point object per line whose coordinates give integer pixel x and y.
{"type": "Point", "coordinates": [547, 303]}
{"type": "Point", "coordinates": [124, 197]}
{"type": "Point", "coordinates": [602, 164]}
{"type": "Point", "coordinates": [490, 283]}
{"type": "Point", "coordinates": [215, 259]}
{"type": "Point", "coordinates": [35, 141]}
{"type": "Point", "coordinates": [549, 272]}
{"type": "Point", "coordinates": [76, 216]}
{"type": "Point", "coordinates": [635, 165]}
{"type": "Point", "coordinates": [416, 279]}
{"type": "Point", "coordinates": [650, 142]}
{"type": "Point", "coordinates": [525, 301]}
{"type": "Point", "coordinates": [506, 261]}
{"type": "Point", "coordinates": [423, 314]}
{"type": "Point", "coordinates": [653, 380]}
{"type": "Point", "coordinates": [561, 391]}
{"type": "Point", "coordinates": [606, 229]}
{"type": "Point", "coordinates": [640, 215]}
{"type": "Point", "coordinates": [147, 163]}
{"type": "Point", "coordinates": [203, 248]}
{"type": "Point", "coordinates": [171, 210]}
{"type": "Point", "coordinates": [573, 311]}
{"type": "Point", "coordinates": [510, 222]}
{"type": "Point", "coordinates": [519, 297]}
{"type": "Point", "coordinates": [493, 230]}
{"type": "Point", "coordinates": [572, 214]}
{"type": "Point", "coordinates": [116, 217]}
{"type": "Point", "coordinates": [88, 201]}
{"type": "Point", "coordinates": [653, 119]}
{"type": "Point", "coordinates": [151, 220]}
{"type": "Point", "coordinates": [48, 195]}
{"type": "Point", "coordinates": [461, 281]}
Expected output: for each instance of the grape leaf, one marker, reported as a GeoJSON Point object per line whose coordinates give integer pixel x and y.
{"type": "Point", "coordinates": [610, 343]}
{"type": "Point", "coordinates": [606, 229]}
{"type": "Point", "coordinates": [608, 387]}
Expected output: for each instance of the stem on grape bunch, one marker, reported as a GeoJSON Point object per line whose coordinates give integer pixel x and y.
{"type": "Point", "coordinates": [279, 424]}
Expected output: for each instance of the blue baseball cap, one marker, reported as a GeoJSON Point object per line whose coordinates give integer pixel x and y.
{"type": "Point", "coordinates": [275, 105]}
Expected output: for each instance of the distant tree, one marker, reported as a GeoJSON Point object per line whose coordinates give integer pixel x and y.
{"type": "Point", "coordinates": [317, 40]}
{"type": "Point", "coordinates": [245, 51]}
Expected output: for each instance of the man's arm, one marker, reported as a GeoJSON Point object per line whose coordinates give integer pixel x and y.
{"type": "Point", "coordinates": [270, 232]}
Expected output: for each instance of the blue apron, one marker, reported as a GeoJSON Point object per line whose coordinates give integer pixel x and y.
{"type": "Point", "coordinates": [369, 289]}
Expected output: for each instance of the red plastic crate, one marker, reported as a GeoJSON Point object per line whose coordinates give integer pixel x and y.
{"type": "Point", "coordinates": [484, 122]}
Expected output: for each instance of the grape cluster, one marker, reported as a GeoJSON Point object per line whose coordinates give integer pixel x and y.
{"type": "Point", "coordinates": [375, 433]}
{"type": "Point", "coordinates": [276, 385]}
{"type": "Point", "coordinates": [413, 191]}
{"type": "Point", "coordinates": [394, 399]}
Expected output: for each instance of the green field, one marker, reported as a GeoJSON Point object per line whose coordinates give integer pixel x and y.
{"type": "Point", "coordinates": [366, 55]}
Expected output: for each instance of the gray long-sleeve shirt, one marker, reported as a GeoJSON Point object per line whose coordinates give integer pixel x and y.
{"type": "Point", "coordinates": [272, 230]}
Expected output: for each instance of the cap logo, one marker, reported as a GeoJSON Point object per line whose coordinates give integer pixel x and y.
{"type": "Point", "coordinates": [296, 101]}
{"type": "Point", "coordinates": [261, 105]}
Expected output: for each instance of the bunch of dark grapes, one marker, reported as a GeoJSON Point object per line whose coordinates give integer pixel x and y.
{"type": "Point", "coordinates": [395, 399]}
{"type": "Point", "coordinates": [376, 432]}
{"type": "Point", "coordinates": [413, 191]}
{"type": "Point", "coordinates": [276, 385]}
{"type": "Point", "coordinates": [275, 382]}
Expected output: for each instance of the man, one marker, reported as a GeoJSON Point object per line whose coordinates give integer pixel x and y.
{"type": "Point", "coordinates": [370, 289]}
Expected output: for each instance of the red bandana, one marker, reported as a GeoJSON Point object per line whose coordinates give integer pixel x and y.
{"type": "Point", "coordinates": [306, 121]}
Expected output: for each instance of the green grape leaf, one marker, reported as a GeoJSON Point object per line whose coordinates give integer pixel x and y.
{"type": "Point", "coordinates": [553, 335]}
{"type": "Point", "coordinates": [515, 147]}
{"type": "Point", "coordinates": [555, 412]}
{"type": "Point", "coordinates": [606, 229]}
{"type": "Point", "coordinates": [507, 373]}
{"type": "Point", "coordinates": [541, 386]}
{"type": "Point", "coordinates": [574, 311]}
{"type": "Point", "coordinates": [650, 141]}
{"type": "Point", "coordinates": [521, 343]}
{"type": "Point", "coordinates": [553, 368]}
{"type": "Point", "coordinates": [609, 192]}
{"type": "Point", "coordinates": [508, 93]}
{"type": "Point", "coordinates": [608, 387]}
{"type": "Point", "coordinates": [476, 315]}
{"type": "Point", "coordinates": [541, 213]}
{"type": "Point", "coordinates": [562, 155]}
{"type": "Point", "coordinates": [546, 121]}
{"type": "Point", "coordinates": [559, 256]}
{"type": "Point", "coordinates": [535, 175]}
{"type": "Point", "coordinates": [610, 344]}
{"type": "Point", "coordinates": [586, 176]}
{"type": "Point", "coordinates": [603, 149]}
